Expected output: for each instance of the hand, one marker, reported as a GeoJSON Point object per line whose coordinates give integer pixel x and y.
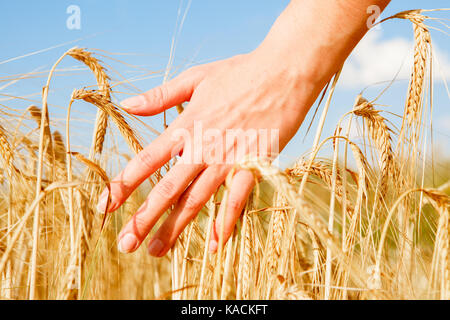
{"type": "Point", "coordinates": [242, 105]}
{"type": "Point", "coordinates": [256, 99]}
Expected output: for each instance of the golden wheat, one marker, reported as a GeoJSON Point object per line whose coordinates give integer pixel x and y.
{"type": "Point", "coordinates": [101, 122]}
{"type": "Point", "coordinates": [102, 102]}
{"type": "Point", "coordinates": [381, 135]}
{"type": "Point", "coordinates": [5, 148]}
{"type": "Point", "coordinates": [284, 246]}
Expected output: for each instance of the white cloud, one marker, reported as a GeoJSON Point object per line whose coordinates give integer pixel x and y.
{"type": "Point", "coordinates": [378, 60]}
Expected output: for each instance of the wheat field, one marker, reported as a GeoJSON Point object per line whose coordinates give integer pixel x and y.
{"type": "Point", "coordinates": [366, 223]}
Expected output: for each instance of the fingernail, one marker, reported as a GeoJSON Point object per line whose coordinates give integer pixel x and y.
{"type": "Point", "coordinates": [128, 243]}
{"type": "Point", "coordinates": [155, 247]}
{"type": "Point", "coordinates": [133, 102]}
{"type": "Point", "coordinates": [212, 246]}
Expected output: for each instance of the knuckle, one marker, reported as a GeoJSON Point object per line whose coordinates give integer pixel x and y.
{"type": "Point", "coordinates": [164, 233]}
{"type": "Point", "coordinates": [196, 72]}
{"type": "Point", "coordinates": [140, 225]}
{"type": "Point", "coordinates": [166, 190]}
{"type": "Point", "coordinates": [235, 204]}
{"type": "Point", "coordinates": [119, 192]}
{"type": "Point", "coordinates": [146, 159]}
{"type": "Point", "coordinates": [192, 71]}
{"type": "Point", "coordinates": [191, 202]}
{"type": "Point", "coordinates": [160, 95]}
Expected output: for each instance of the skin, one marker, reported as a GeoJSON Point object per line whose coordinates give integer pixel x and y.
{"type": "Point", "coordinates": [272, 87]}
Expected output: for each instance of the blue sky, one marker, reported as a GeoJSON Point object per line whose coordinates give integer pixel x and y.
{"type": "Point", "coordinates": [140, 33]}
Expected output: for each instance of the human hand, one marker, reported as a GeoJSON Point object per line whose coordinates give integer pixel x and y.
{"type": "Point", "coordinates": [242, 105]}
{"type": "Point", "coordinates": [256, 99]}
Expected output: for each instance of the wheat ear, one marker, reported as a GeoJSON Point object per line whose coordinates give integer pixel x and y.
{"type": "Point", "coordinates": [105, 105]}
{"type": "Point", "coordinates": [5, 147]}
{"type": "Point", "coordinates": [413, 107]}
{"type": "Point", "coordinates": [321, 171]}
{"type": "Point", "coordinates": [422, 41]}
{"type": "Point", "coordinates": [381, 135]}
{"type": "Point", "coordinates": [101, 122]}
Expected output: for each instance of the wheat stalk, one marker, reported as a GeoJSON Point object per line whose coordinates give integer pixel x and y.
{"type": "Point", "coordinates": [335, 261]}
{"type": "Point", "coordinates": [440, 264]}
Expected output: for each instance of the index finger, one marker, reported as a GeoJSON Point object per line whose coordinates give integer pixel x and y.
{"type": "Point", "coordinates": [145, 163]}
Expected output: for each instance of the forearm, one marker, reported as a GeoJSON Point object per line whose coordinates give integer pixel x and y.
{"type": "Point", "coordinates": [312, 38]}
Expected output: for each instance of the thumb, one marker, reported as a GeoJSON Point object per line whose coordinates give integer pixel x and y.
{"type": "Point", "coordinates": [165, 96]}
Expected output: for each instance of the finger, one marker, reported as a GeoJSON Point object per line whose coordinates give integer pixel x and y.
{"type": "Point", "coordinates": [161, 197]}
{"type": "Point", "coordinates": [145, 163]}
{"type": "Point", "coordinates": [190, 203]}
{"type": "Point", "coordinates": [241, 186]}
{"type": "Point", "coordinates": [169, 94]}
